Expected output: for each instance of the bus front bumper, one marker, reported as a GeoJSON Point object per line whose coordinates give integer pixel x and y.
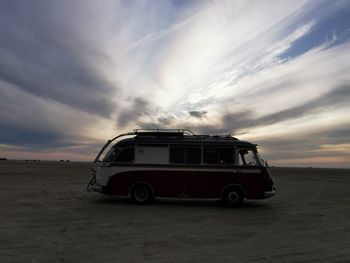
{"type": "Point", "coordinates": [97, 188]}
{"type": "Point", "coordinates": [271, 193]}
{"type": "Point", "coordinates": [93, 186]}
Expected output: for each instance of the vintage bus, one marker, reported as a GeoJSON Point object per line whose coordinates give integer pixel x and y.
{"type": "Point", "coordinates": [146, 164]}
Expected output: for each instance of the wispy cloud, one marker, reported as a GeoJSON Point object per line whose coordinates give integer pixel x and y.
{"type": "Point", "coordinates": [75, 72]}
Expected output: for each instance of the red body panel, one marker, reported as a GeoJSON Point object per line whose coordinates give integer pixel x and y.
{"type": "Point", "coordinates": [192, 184]}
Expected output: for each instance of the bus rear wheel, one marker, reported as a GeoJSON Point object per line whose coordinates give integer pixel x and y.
{"type": "Point", "coordinates": [233, 197]}
{"type": "Point", "coordinates": [141, 194]}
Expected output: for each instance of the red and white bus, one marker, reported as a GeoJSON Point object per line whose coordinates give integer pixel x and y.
{"type": "Point", "coordinates": [150, 163]}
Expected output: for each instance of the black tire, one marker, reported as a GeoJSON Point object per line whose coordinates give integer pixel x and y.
{"type": "Point", "coordinates": [233, 196]}
{"type": "Point", "coordinates": [141, 194]}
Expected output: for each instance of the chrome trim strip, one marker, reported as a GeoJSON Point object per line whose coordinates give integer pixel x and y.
{"type": "Point", "coordinates": [250, 171]}
{"type": "Point", "coordinates": [269, 194]}
{"type": "Point", "coordinates": [174, 168]}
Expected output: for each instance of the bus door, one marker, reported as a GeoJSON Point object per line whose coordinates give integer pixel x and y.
{"type": "Point", "coordinates": [249, 172]}
{"type": "Point", "coordinates": [213, 174]}
{"type": "Point", "coordinates": [165, 179]}
{"type": "Point", "coordinates": [188, 174]}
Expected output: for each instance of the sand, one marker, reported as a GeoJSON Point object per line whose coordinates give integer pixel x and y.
{"type": "Point", "coordinates": [47, 216]}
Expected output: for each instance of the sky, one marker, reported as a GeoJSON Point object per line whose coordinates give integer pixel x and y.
{"type": "Point", "coordinates": [76, 73]}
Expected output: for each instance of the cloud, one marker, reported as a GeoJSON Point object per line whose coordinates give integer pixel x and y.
{"type": "Point", "coordinates": [166, 121]}
{"type": "Point", "coordinates": [36, 123]}
{"type": "Point", "coordinates": [196, 56]}
{"type": "Point", "coordinates": [43, 55]}
{"type": "Point", "coordinates": [323, 145]}
{"type": "Point", "coordinates": [246, 120]}
{"type": "Point", "coordinates": [75, 73]}
{"type": "Point", "coordinates": [197, 114]}
{"type": "Point", "coordinates": [137, 108]}
{"type": "Point", "coordinates": [332, 99]}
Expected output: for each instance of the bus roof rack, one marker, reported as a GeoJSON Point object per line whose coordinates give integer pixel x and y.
{"type": "Point", "coordinates": [179, 133]}
{"type": "Point", "coordinates": [164, 132]}
{"type": "Point", "coordinates": [228, 137]}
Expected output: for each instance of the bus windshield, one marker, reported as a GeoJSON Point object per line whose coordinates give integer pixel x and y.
{"type": "Point", "coordinates": [111, 154]}
{"type": "Point", "coordinates": [261, 160]}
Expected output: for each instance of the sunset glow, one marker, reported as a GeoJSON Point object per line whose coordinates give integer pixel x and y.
{"type": "Point", "coordinates": [76, 73]}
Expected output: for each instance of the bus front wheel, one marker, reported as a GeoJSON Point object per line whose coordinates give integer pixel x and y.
{"type": "Point", "coordinates": [141, 194]}
{"type": "Point", "coordinates": [233, 197]}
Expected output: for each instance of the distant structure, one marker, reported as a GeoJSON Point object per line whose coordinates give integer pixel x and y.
{"type": "Point", "coordinates": [3, 159]}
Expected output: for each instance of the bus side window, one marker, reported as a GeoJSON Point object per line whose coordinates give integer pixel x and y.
{"type": "Point", "coordinates": [211, 156]}
{"type": "Point", "coordinates": [222, 156]}
{"type": "Point", "coordinates": [226, 156]}
{"type": "Point", "coordinates": [247, 157]}
{"type": "Point", "coordinates": [126, 155]}
{"type": "Point", "coordinates": [193, 155]}
{"type": "Point", "coordinates": [185, 155]}
{"type": "Point", "coordinates": [177, 155]}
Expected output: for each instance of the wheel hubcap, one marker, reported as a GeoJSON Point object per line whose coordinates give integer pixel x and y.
{"type": "Point", "coordinates": [141, 194]}
{"type": "Point", "coordinates": [232, 197]}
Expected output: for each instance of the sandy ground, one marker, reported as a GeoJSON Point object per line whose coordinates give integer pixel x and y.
{"type": "Point", "coordinates": [47, 216]}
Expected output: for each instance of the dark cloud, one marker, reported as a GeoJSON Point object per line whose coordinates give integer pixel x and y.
{"type": "Point", "coordinates": [27, 143]}
{"type": "Point", "coordinates": [208, 129]}
{"type": "Point", "coordinates": [238, 120]}
{"type": "Point", "coordinates": [330, 100]}
{"type": "Point", "coordinates": [307, 145]}
{"type": "Point", "coordinates": [37, 124]}
{"type": "Point", "coordinates": [336, 136]}
{"type": "Point", "coordinates": [149, 125]}
{"type": "Point", "coordinates": [26, 137]}
{"type": "Point", "coordinates": [137, 108]}
{"type": "Point", "coordinates": [166, 121]}
{"type": "Point", "coordinates": [243, 120]}
{"type": "Point", "coordinates": [197, 114]}
{"type": "Point", "coordinates": [43, 139]}
{"type": "Point", "coordinates": [42, 54]}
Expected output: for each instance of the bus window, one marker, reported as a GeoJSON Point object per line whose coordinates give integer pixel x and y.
{"type": "Point", "coordinates": [226, 156]}
{"type": "Point", "coordinates": [247, 157]}
{"type": "Point", "coordinates": [126, 155]}
{"type": "Point", "coordinates": [177, 155]}
{"type": "Point", "coordinates": [193, 155]}
{"type": "Point", "coordinates": [222, 156]}
{"type": "Point", "coordinates": [211, 156]}
{"type": "Point", "coordinates": [185, 155]}
{"type": "Point", "coordinates": [111, 154]}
